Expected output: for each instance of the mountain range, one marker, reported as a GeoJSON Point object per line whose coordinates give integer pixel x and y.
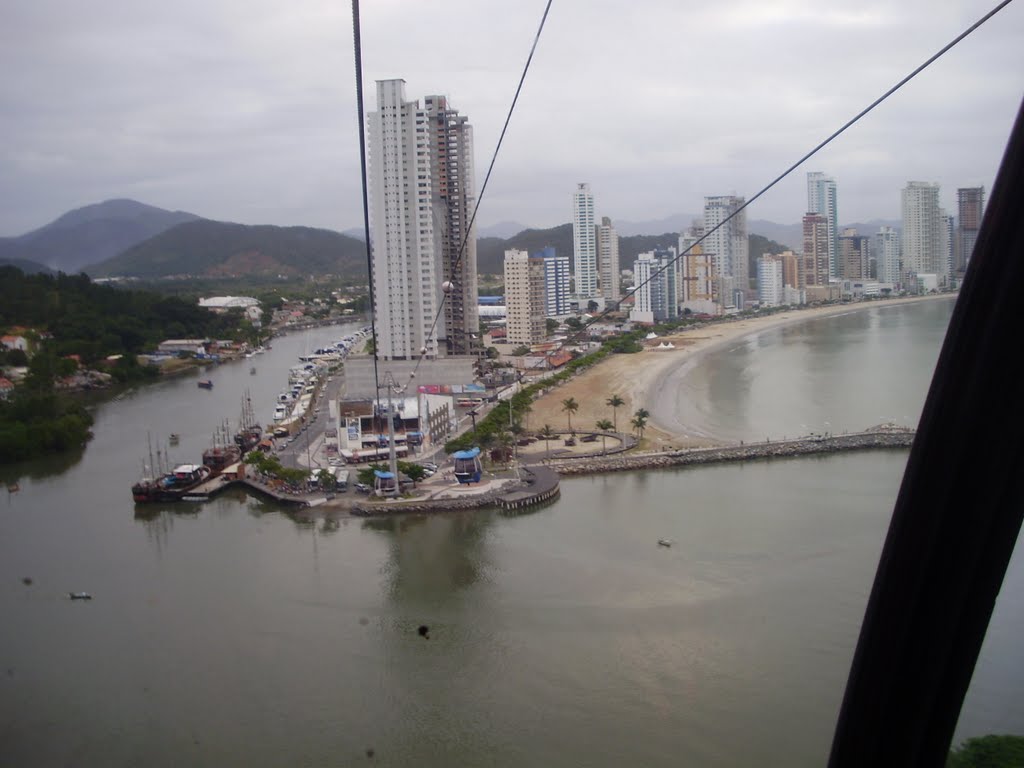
{"type": "Point", "coordinates": [91, 234]}
{"type": "Point", "coordinates": [131, 239]}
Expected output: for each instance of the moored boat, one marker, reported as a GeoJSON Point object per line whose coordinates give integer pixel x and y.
{"type": "Point", "coordinates": [171, 486]}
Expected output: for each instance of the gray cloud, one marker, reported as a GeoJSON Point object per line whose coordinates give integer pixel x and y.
{"type": "Point", "coordinates": [245, 111]}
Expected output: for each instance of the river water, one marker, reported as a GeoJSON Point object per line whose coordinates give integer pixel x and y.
{"type": "Point", "coordinates": [232, 634]}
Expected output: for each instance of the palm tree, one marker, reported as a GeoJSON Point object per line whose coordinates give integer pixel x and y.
{"type": "Point", "coordinates": [614, 402]}
{"type": "Point", "coordinates": [547, 433]}
{"type": "Point", "coordinates": [570, 406]}
{"type": "Point", "coordinates": [639, 424]}
{"type": "Point", "coordinates": [604, 425]}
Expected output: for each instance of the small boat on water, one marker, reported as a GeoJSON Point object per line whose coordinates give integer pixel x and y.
{"type": "Point", "coordinates": [79, 596]}
{"type": "Point", "coordinates": [664, 542]}
{"type": "Point", "coordinates": [205, 384]}
{"type": "Point", "coordinates": [174, 438]}
{"type": "Point", "coordinates": [252, 371]}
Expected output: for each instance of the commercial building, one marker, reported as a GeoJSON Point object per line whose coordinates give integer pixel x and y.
{"type": "Point", "coordinates": [524, 298]}
{"type": "Point", "coordinates": [822, 199]}
{"type": "Point", "coordinates": [584, 242]}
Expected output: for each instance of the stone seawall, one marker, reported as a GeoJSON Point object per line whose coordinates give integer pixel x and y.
{"type": "Point", "coordinates": [541, 482]}
{"type": "Point", "coordinates": [809, 446]}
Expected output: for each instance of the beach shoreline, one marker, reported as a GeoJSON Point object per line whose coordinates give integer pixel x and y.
{"type": "Point", "coordinates": [639, 378]}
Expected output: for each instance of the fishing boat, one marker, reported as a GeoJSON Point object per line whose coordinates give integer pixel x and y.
{"type": "Point", "coordinates": [205, 384]}
{"type": "Point", "coordinates": [79, 596]}
{"type": "Point", "coordinates": [174, 438]}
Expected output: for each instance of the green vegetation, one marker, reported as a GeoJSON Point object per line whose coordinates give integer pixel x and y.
{"type": "Point", "coordinates": [414, 472]}
{"type": "Point", "coordinates": [570, 406]}
{"type": "Point", "coordinates": [615, 402]}
{"type": "Point", "coordinates": [988, 752]}
{"type": "Point", "coordinates": [35, 423]}
{"type": "Point", "coordinates": [94, 321]}
{"type": "Point", "coordinates": [268, 464]}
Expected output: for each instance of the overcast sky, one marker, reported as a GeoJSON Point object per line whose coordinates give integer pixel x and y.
{"type": "Point", "coordinates": [244, 110]}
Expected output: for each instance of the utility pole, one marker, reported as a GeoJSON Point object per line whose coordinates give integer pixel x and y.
{"type": "Point", "coordinates": [389, 382]}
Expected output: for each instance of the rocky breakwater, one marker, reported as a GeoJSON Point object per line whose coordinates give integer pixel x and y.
{"type": "Point", "coordinates": [878, 438]}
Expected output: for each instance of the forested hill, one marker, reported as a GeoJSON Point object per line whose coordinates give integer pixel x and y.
{"type": "Point", "coordinates": [95, 321]}
{"type": "Point", "coordinates": [220, 249]}
{"type": "Point", "coordinates": [90, 234]}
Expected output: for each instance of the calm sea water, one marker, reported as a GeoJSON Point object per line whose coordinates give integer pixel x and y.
{"type": "Point", "coordinates": [232, 634]}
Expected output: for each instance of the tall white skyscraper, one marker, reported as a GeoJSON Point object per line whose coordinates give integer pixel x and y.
{"type": "Point", "coordinates": [922, 239]}
{"type": "Point", "coordinates": [728, 246]}
{"type": "Point", "coordinates": [584, 242]}
{"type": "Point", "coordinates": [421, 199]}
{"type": "Point", "coordinates": [406, 284]}
{"type": "Point", "coordinates": [821, 199]}
{"type": "Point", "coordinates": [608, 259]}
{"type": "Point", "coordinates": [769, 281]}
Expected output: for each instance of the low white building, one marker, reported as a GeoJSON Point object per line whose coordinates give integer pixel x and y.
{"type": "Point", "coordinates": [224, 303]}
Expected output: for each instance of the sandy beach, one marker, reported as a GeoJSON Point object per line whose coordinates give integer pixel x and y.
{"type": "Point", "coordinates": [638, 378]}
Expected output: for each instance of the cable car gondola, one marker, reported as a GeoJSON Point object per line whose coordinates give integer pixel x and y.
{"type": "Point", "coordinates": [467, 465]}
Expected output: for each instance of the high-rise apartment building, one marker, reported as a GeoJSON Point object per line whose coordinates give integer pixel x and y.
{"type": "Point", "coordinates": [853, 255]}
{"type": "Point", "coordinates": [524, 298]}
{"type": "Point", "coordinates": [656, 296]}
{"type": "Point", "coordinates": [887, 256]}
{"type": "Point", "coordinates": [822, 199]}
{"type": "Point", "coordinates": [608, 259]}
{"type": "Point", "coordinates": [584, 242]}
{"type": "Point", "coordinates": [922, 237]}
{"type": "Point", "coordinates": [728, 245]}
{"type": "Point", "coordinates": [421, 200]}
{"type": "Point", "coordinates": [696, 273]}
{"type": "Point", "coordinates": [947, 240]}
{"type": "Point", "coordinates": [970, 206]}
{"type": "Point", "coordinates": [454, 198]}
{"type": "Point", "coordinates": [769, 281]}
{"type": "Point", "coordinates": [557, 293]}
{"type": "Point", "coordinates": [405, 261]}
{"type": "Point", "coordinates": [814, 270]}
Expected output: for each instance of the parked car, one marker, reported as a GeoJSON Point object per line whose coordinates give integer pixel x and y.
{"type": "Point", "coordinates": [429, 465]}
{"type": "Point", "coordinates": [362, 488]}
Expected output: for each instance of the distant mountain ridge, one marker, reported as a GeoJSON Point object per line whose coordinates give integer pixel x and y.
{"type": "Point", "coordinates": [205, 248]}
{"type": "Point", "coordinates": [91, 234]}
